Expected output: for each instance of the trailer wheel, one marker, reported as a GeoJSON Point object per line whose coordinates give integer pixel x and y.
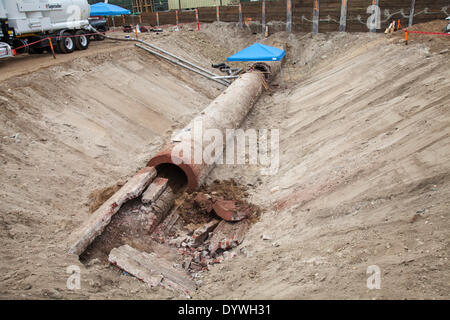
{"type": "Point", "coordinates": [66, 43]}
{"type": "Point", "coordinates": [81, 40]}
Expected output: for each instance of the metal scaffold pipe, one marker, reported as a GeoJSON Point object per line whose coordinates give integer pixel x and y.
{"type": "Point", "coordinates": [182, 64]}
{"type": "Point", "coordinates": [180, 59]}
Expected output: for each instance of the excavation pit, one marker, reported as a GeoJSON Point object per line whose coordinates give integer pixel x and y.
{"type": "Point", "coordinates": [192, 241]}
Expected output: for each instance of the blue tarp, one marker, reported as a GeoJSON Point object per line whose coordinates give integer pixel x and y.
{"type": "Point", "coordinates": [258, 52]}
{"type": "Point", "coordinates": [106, 9]}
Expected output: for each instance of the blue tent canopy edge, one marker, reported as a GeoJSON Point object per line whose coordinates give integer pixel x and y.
{"type": "Point", "coordinates": [258, 52]}
{"type": "Point", "coordinates": [106, 9]}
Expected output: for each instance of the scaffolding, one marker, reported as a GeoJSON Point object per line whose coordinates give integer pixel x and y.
{"type": "Point", "coordinates": [142, 5]}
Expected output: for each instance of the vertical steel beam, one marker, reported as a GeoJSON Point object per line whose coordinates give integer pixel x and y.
{"type": "Point", "coordinates": [289, 16]}
{"type": "Point", "coordinates": [343, 20]}
{"type": "Point", "coordinates": [316, 17]}
{"type": "Point", "coordinates": [411, 13]}
{"type": "Point", "coordinates": [240, 15]}
{"type": "Point", "coordinates": [376, 15]}
{"type": "Point", "coordinates": [263, 15]}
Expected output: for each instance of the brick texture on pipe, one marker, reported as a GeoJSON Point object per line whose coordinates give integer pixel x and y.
{"type": "Point", "coordinates": [227, 111]}
{"type": "Point", "coordinates": [97, 222]}
{"type": "Point", "coordinates": [154, 190]}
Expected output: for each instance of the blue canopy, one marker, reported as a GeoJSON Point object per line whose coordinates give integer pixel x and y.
{"type": "Point", "coordinates": [106, 9]}
{"type": "Point", "coordinates": [258, 52]}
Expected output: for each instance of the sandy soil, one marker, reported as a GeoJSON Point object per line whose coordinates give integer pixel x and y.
{"type": "Point", "coordinates": [363, 177]}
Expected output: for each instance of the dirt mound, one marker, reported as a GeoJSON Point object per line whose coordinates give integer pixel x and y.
{"type": "Point", "coordinates": [436, 43]}
{"type": "Point", "coordinates": [195, 213]}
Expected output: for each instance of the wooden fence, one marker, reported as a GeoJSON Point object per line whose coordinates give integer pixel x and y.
{"type": "Point", "coordinates": [306, 16]}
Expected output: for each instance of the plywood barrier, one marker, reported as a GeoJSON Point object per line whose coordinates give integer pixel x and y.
{"type": "Point", "coordinates": [302, 14]}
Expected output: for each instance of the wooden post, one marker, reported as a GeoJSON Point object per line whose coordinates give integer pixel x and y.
{"type": "Point", "coordinates": [240, 15]}
{"type": "Point", "coordinates": [157, 18]}
{"type": "Point", "coordinates": [179, 5]}
{"type": "Point", "coordinates": [140, 19]}
{"type": "Point", "coordinates": [51, 47]}
{"type": "Point", "coordinates": [263, 15]}
{"type": "Point", "coordinates": [176, 17]}
{"type": "Point", "coordinates": [289, 16]}
{"type": "Point", "coordinates": [217, 14]}
{"type": "Point", "coordinates": [376, 13]}
{"type": "Point", "coordinates": [343, 20]}
{"type": "Point", "coordinates": [316, 17]}
{"type": "Point", "coordinates": [411, 13]}
{"type": "Point", "coordinates": [196, 18]}
{"type": "Point", "coordinates": [123, 19]}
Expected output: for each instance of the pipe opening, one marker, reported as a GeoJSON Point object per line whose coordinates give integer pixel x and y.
{"type": "Point", "coordinates": [178, 180]}
{"type": "Point", "coordinates": [263, 68]}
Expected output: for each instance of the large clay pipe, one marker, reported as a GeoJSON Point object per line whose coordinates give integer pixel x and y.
{"type": "Point", "coordinates": [227, 111]}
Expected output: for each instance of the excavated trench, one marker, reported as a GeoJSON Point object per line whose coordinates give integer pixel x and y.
{"type": "Point", "coordinates": [186, 230]}
{"type": "Point", "coordinates": [360, 157]}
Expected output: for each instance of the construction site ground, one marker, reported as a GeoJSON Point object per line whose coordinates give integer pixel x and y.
{"type": "Point", "coordinates": [363, 179]}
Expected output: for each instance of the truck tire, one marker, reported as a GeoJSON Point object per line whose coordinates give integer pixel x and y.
{"type": "Point", "coordinates": [81, 40]}
{"type": "Point", "coordinates": [66, 44]}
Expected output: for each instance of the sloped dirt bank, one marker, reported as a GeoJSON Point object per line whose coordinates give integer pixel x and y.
{"type": "Point", "coordinates": [363, 177]}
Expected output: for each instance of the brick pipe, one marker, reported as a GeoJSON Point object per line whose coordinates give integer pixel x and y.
{"type": "Point", "coordinates": [227, 111]}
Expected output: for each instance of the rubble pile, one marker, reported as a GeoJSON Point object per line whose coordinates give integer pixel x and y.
{"type": "Point", "coordinates": [214, 220]}
{"type": "Point", "coordinates": [183, 236]}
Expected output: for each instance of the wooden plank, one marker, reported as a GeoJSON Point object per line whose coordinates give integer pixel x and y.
{"type": "Point", "coordinates": [97, 222]}
{"type": "Point", "coordinates": [150, 269]}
